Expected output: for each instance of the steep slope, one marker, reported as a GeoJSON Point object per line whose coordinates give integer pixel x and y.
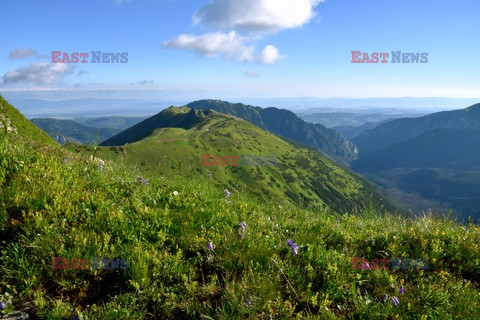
{"type": "Point", "coordinates": [184, 135]}
{"type": "Point", "coordinates": [21, 126]}
{"type": "Point", "coordinates": [407, 128]}
{"type": "Point", "coordinates": [288, 125]}
{"type": "Point", "coordinates": [457, 149]}
{"type": "Point", "coordinates": [68, 130]}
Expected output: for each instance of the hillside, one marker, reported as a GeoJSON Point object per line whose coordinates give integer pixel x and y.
{"type": "Point", "coordinates": [67, 130]}
{"type": "Point", "coordinates": [457, 149]}
{"type": "Point", "coordinates": [181, 136]}
{"type": "Point", "coordinates": [195, 252]}
{"type": "Point", "coordinates": [407, 128]}
{"type": "Point", "coordinates": [288, 125]}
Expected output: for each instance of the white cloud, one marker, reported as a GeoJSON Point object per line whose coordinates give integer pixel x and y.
{"type": "Point", "coordinates": [21, 53]}
{"type": "Point", "coordinates": [262, 16]}
{"type": "Point", "coordinates": [269, 55]}
{"type": "Point", "coordinates": [231, 45]}
{"type": "Point", "coordinates": [250, 74]}
{"type": "Point", "coordinates": [40, 73]}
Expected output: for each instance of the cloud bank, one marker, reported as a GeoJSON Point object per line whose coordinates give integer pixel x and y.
{"type": "Point", "coordinates": [39, 73]}
{"type": "Point", "coordinates": [210, 45]}
{"type": "Point", "coordinates": [240, 23]}
{"type": "Point", "coordinates": [256, 16]}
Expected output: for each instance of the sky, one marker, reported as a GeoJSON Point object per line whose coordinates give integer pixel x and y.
{"type": "Point", "coordinates": [186, 50]}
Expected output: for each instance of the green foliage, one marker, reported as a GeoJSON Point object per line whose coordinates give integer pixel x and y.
{"type": "Point", "coordinates": [55, 203]}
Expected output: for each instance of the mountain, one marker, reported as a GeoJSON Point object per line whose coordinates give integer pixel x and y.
{"type": "Point", "coordinates": [407, 128]}
{"type": "Point", "coordinates": [68, 130]}
{"type": "Point", "coordinates": [288, 125]}
{"type": "Point", "coordinates": [174, 141]}
{"type": "Point", "coordinates": [457, 149]}
{"type": "Point", "coordinates": [113, 122]}
{"type": "Point", "coordinates": [171, 117]}
{"type": "Point", "coordinates": [194, 251]}
{"type": "Point", "coordinates": [428, 162]}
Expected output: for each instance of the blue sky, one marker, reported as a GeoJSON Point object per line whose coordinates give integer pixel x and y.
{"type": "Point", "coordinates": [183, 49]}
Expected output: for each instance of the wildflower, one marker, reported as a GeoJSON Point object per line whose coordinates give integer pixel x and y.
{"type": "Point", "coordinates": [2, 305]}
{"type": "Point", "coordinates": [384, 298]}
{"type": "Point", "coordinates": [294, 246]}
{"type": "Point", "coordinates": [145, 181]}
{"type": "Point", "coordinates": [211, 246]}
{"type": "Point", "coordinates": [227, 193]}
{"type": "Point", "coordinates": [294, 249]}
{"type": "Point", "coordinates": [395, 301]}
{"type": "Point", "coordinates": [243, 225]}
{"type": "Point", "coordinates": [139, 178]}
{"type": "Point", "coordinates": [65, 160]}
{"type": "Point", "coordinates": [249, 303]}
{"type": "Point", "coordinates": [402, 290]}
{"type": "Point", "coordinates": [365, 265]}
{"type": "Point", "coordinates": [77, 317]}
{"type": "Point", "coordinates": [175, 193]}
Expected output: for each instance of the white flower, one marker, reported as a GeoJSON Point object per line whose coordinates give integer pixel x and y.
{"type": "Point", "coordinates": [175, 193]}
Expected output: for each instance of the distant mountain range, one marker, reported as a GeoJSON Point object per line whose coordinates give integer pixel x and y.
{"type": "Point", "coordinates": [63, 131]}
{"type": "Point", "coordinates": [407, 128]}
{"type": "Point", "coordinates": [84, 130]}
{"type": "Point", "coordinates": [434, 159]}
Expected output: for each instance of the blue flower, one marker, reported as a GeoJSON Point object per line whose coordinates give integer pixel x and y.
{"type": "Point", "coordinates": [77, 317]}
{"type": "Point", "coordinates": [211, 246]}
{"type": "Point", "coordinates": [227, 193]}
{"type": "Point", "coordinates": [294, 249]}
{"type": "Point", "coordinates": [249, 303]}
{"type": "Point", "coordinates": [145, 181]}
{"type": "Point", "coordinates": [2, 305]}
{"type": "Point", "coordinates": [294, 246]}
{"type": "Point", "coordinates": [395, 301]}
{"type": "Point", "coordinates": [402, 290]}
{"type": "Point", "coordinates": [384, 298]}
{"type": "Point", "coordinates": [243, 225]}
{"type": "Point", "coordinates": [365, 265]}
{"type": "Point", "coordinates": [139, 178]}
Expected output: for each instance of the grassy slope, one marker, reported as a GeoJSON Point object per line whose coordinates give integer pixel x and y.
{"type": "Point", "coordinates": [25, 128]}
{"type": "Point", "coordinates": [49, 207]}
{"type": "Point", "coordinates": [302, 175]}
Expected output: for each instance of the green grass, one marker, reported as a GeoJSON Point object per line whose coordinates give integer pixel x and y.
{"type": "Point", "coordinates": [50, 207]}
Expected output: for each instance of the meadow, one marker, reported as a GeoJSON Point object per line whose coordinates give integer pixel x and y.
{"type": "Point", "coordinates": [191, 257]}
